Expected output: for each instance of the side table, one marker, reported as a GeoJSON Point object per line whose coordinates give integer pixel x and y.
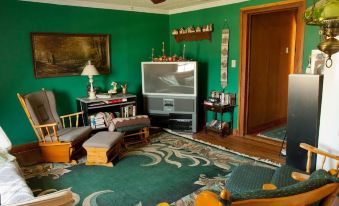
{"type": "Point", "coordinates": [216, 125]}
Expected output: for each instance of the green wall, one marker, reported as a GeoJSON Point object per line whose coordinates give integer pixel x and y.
{"type": "Point", "coordinates": [132, 35]}
{"type": "Point", "coordinates": [207, 53]}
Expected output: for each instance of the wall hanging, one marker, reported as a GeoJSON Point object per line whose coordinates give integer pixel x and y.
{"type": "Point", "coordinates": [225, 34]}
{"type": "Point", "coordinates": [57, 54]}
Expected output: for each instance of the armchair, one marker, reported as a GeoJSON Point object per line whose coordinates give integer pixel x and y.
{"type": "Point", "coordinates": [254, 185]}
{"type": "Point", "coordinates": [59, 140]}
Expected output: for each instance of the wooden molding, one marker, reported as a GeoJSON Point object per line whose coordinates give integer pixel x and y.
{"type": "Point", "coordinates": [24, 147]}
{"type": "Point", "coordinates": [27, 154]}
{"type": "Point", "coordinates": [245, 16]}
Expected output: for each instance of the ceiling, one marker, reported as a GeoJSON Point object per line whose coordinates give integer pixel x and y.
{"type": "Point", "coordinates": [167, 7]}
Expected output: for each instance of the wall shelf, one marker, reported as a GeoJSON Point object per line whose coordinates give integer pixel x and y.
{"type": "Point", "coordinates": [196, 36]}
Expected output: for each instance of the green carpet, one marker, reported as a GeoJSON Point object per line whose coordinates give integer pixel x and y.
{"type": "Point", "coordinates": [277, 133]}
{"type": "Point", "coordinates": [168, 169]}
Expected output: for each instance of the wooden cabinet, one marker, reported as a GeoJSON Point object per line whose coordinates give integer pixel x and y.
{"type": "Point", "coordinates": [114, 105]}
{"type": "Point", "coordinates": [218, 125]}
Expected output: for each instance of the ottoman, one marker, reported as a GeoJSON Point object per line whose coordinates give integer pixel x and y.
{"type": "Point", "coordinates": [135, 129]}
{"type": "Point", "coordinates": [103, 147]}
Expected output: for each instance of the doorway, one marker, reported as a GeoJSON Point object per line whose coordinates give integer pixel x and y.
{"type": "Point", "coordinates": [271, 49]}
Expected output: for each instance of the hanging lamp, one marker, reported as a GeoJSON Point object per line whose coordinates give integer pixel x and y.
{"type": "Point", "coordinates": [325, 13]}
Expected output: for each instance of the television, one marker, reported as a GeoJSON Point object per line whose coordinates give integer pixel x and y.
{"type": "Point", "coordinates": [169, 78]}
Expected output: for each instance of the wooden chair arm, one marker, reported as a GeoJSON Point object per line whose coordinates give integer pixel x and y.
{"type": "Point", "coordinates": [310, 149]}
{"type": "Point", "coordinates": [269, 186]}
{"type": "Point", "coordinates": [45, 130]}
{"type": "Point", "coordinates": [46, 125]}
{"type": "Point", "coordinates": [318, 151]}
{"type": "Point", "coordinates": [299, 176]}
{"type": "Point", "coordinates": [69, 116]}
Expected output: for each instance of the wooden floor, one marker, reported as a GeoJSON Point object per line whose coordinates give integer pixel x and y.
{"type": "Point", "coordinates": [250, 145]}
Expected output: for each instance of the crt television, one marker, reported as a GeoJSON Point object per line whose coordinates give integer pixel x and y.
{"type": "Point", "coordinates": [169, 78]}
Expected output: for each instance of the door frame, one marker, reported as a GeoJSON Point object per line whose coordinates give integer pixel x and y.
{"type": "Point", "coordinates": [245, 23]}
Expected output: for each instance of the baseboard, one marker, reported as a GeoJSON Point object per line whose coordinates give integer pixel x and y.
{"type": "Point", "coordinates": [262, 127]}
{"type": "Point", "coordinates": [27, 154]}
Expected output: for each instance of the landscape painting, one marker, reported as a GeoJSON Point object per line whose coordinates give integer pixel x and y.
{"type": "Point", "coordinates": [57, 54]}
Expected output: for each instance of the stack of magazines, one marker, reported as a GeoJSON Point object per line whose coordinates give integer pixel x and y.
{"type": "Point", "coordinates": [216, 124]}
{"type": "Point", "coordinates": [101, 120]}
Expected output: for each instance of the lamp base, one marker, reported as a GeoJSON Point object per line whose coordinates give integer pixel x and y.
{"type": "Point", "coordinates": [91, 95]}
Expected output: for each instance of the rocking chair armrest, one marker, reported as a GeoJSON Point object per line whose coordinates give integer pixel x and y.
{"type": "Point", "coordinates": [69, 116]}
{"type": "Point", "coordinates": [310, 149]}
{"type": "Point", "coordinates": [318, 151]}
{"type": "Point", "coordinates": [46, 125]}
{"type": "Point", "coordinates": [300, 176]}
{"type": "Point", "coordinates": [47, 129]}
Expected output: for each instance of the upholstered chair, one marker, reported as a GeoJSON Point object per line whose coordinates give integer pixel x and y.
{"type": "Point", "coordinates": [60, 137]}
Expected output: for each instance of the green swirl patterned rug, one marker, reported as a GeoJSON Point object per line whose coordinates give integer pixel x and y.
{"type": "Point", "coordinates": [170, 169]}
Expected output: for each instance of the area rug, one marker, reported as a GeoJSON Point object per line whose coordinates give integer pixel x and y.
{"type": "Point", "coordinates": [190, 137]}
{"type": "Point", "coordinates": [277, 133]}
{"type": "Point", "coordinates": [170, 169]}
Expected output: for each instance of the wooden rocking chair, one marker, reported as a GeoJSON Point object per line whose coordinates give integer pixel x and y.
{"type": "Point", "coordinates": [326, 193]}
{"type": "Point", "coordinates": [58, 141]}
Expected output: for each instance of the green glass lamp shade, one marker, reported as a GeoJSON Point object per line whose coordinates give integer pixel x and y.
{"type": "Point", "coordinates": [322, 10]}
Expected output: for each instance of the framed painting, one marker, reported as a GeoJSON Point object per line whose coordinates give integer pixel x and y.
{"type": "Point", "coordinates": [58, 54]}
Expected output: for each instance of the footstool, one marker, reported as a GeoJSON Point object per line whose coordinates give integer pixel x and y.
{"type": "Point", "coordinates": [135, 129]}
{"type": "Point", "coordinates": [103, 147]}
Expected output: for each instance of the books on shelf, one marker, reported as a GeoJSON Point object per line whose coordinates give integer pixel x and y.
{"type": "Point", "coordinates": [128, 111]}
{"type": "Point", "coordinates": [101, 120]}
{"type": "Point", "coordinates": [115, 101]}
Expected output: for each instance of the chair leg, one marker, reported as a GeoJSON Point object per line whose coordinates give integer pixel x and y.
{"type": "Point", "coordinates": [146, 134]}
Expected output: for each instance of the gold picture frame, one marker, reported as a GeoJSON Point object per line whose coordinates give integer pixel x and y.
{"type": "Point", "coordinates": [59, 54]}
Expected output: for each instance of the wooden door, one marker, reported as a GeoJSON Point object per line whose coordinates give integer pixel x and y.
{"type": "Point", "coordinates": [271, 59]}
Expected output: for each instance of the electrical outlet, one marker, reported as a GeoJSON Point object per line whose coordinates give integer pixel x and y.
{"type": "Point", "coordinates": [233, 63]}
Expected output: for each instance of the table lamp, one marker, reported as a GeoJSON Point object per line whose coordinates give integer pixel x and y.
{"type": "Point", "coordinates": [89, 71]}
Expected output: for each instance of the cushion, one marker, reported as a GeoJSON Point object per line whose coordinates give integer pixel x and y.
{"type": "Point", "coordinates": [317, 179]}
{"type": "Point", "coordinates": [13, 188]}
{"type": "Point", "coordinates": [248, 177]}
{"type": "Point", "coordinates": [282, 176]}
{"type": "Point", "coordinates": [103, 140]}
{"type": "Point", "coordinates": [71, 134]}
{"type": "Point", "coordinates": [136, 122]}
{"type": "Point", "coordinates": [41, 105]}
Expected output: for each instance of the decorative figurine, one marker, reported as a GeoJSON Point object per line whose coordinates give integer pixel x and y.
{"type": "Point", "coordinates": [175, 32]}
{"type": "Point", "coordinates": [124, 89]}
{"type": "Point", "coordinates": [190, 29]}
{"type": "Point", "coordinates": [182, 30]}
{"type": "Point", "coordinates": [198, 29]}
{"type": "Point", "coordinates": [114, 88]}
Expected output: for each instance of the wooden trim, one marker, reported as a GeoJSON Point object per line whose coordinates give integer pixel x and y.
{"type": "Point", "coordinates": [25, 147]}
{"type": "Point", "coordinates": [245, 16]}
{"type": "Point", "coordinates": [27, 154]}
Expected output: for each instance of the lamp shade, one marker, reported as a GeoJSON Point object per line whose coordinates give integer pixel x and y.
{"type": "Point", "coordinates": [322, 10]}
{"type": "Point", "coordinates": [89, 70]}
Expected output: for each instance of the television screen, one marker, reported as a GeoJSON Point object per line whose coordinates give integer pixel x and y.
{"type": "Point", "coordinates": [169, 78]}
